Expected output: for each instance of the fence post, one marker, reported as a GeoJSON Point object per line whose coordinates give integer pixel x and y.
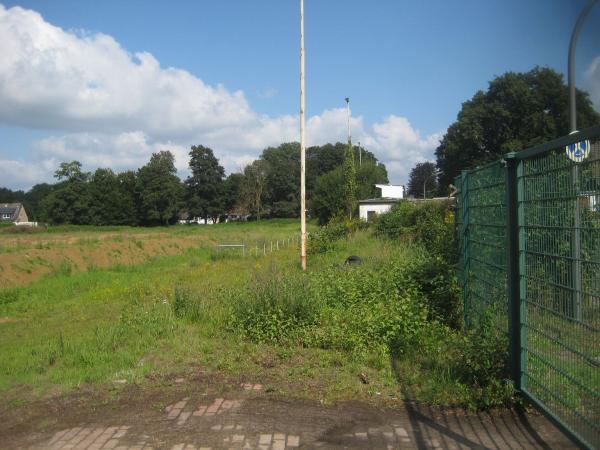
{"type": "Point", "coordinates": [514, 272]}
{"type": "Point", "coordinates": [464, 238]}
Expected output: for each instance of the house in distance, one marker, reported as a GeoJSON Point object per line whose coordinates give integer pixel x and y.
{"type": "Point", "coordinates": [13, 212]}
{"type": "Point", "coordinates": [390, 195]}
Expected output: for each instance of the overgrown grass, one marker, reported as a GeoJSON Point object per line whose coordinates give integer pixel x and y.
{"type": "Point", "coordinates": [255, 317]}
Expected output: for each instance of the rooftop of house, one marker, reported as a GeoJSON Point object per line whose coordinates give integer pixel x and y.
{"type": "Point", "coordinates": [379, 201]}
{"type": "Point", "coordinates": [10, 211]}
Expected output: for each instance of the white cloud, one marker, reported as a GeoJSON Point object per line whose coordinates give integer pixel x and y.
{"type": "Point", "coordinates": [107, 107]}
{"type": "Point", "coordinates": [21, 175]}
{"type": "Point", "coordinates": [592, 82]}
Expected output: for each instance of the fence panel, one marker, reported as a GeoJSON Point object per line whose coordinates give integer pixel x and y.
{"type": "Point", "coordinates": [560, 230]}
{"type": "Point", "coordinates": [552, 291]}
{"type": "Point", "coordinates": [483, 251]}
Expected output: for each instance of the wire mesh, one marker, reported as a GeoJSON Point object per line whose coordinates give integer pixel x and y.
{"type": "Point", "coordinates": [560, 231]}
{"type": "Point", "coordinates": [483, 251]}
{"type": "Point", "coordinates": [558, 210]}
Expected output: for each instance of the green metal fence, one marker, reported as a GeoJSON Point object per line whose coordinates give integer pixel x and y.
{"type": "Point", "coordinates": [529, 235]}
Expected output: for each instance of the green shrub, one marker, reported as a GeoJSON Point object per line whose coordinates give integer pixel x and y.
{"type": "Point", "coordinates": [324, 239]}
{"type": "Point", "coordinates": [273, 308]}
{"type": "Point", "coordinates": [367, 308]}
{"type": "Point", "coordinates": [437, 281]}
{"type": "Point", "coordinates": [484, 365]}
{"type": "Point", "coordinates": [430, 224]}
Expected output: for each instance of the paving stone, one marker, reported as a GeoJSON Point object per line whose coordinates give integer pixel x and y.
{"type": "Point", "coordinates": [264, 439]}
{"type": "Point", "coordinates": [293, 441]}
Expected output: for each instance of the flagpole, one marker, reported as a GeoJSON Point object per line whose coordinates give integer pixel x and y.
{"type": "Point", "coordinates": [302, 146]}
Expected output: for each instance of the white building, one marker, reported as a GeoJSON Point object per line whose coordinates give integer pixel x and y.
{"type": "Point", "coordinates": [391, 190]}
{"type": "Point", "coordinates": [390, 195]}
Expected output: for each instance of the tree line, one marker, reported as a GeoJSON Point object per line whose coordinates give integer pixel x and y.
{"type": "Point", "coordinates": [518, 110]}
{"type": "Point", "coordinates": [155, 195]}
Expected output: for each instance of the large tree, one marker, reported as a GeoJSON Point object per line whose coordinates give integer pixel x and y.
{"type": "Point", "coordinates": [253, 188]}
{"type": "Point", "coordinates": [69, 201]}
{"type": "Point", "coordinates": [517, 111]}
{"type": "Point", "coordinates": [232, 191]}
{"type": "Point", "coordinates": [422, 180]}
{"type": "Point", "coordinates": [204, 187]}
{"type": "Point", "coordinates": [105, 198]}
{"type": "Point", "coordinates": [159, 189]}
{"type": "Point", "coordinates": [282, 188]}
{"type": "Point", "coordinates": [329, 195]}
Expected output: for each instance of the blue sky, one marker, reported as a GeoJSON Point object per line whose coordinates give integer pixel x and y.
{"type": "Point", "coordinates": [110, 82]}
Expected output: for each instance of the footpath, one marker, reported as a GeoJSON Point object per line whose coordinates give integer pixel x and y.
{"type": "Point", "coordinates": [190, 415]}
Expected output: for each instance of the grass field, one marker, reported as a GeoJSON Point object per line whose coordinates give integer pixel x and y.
{"type": "Point", "coordinates": [29, 256]}
{"type": "Point", "coordinates": [141, 321]}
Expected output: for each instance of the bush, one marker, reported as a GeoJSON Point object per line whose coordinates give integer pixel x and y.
{"type": "Point", "coordinates": [483, 364]}
{"type": "Point", "coordinates": [324, 239]}
{"type": "Point", "coordinates": [430, 223]}
{"type": "Point", "coordinates": [367, 308]}
{"type": "Point", "coordinates": [273, 308]}
{"type": "Point", "coordinates": [439, 286]}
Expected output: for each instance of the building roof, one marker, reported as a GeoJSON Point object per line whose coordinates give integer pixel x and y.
{"type": "Point", "coordinates": [379, 201]}
{"type": "Point", "coordinates": [10, 208]}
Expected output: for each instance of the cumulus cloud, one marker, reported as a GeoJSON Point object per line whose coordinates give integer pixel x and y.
{"type": "Point", "coordinates": [22, 175]}
{"type": "Point", "coordinates": [107, 107]}
{"type": "Point", "coordinates": [592, 82]}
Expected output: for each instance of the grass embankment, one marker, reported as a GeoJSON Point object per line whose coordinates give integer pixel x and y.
{"type": "Point", "coordinates": [28, 254]}
{"type": "Point", "coordinates": [334, 333]}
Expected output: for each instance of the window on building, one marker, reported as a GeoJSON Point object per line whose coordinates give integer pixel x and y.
{"type": "Point", "coordinates": [6, 216]}
{"type": "Point", "coordinates": [371, 215]}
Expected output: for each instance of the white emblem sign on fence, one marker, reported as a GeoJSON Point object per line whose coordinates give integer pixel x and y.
{"type": "Point", "coordinates": [578, 151]}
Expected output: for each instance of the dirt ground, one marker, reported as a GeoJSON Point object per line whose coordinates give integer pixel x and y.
{"type": "Point", "coordinates": [30, 257]}
{"type": "Point", "coordinates": [202, 411]}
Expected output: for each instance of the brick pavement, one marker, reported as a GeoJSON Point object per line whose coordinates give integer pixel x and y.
{"type": "Point", "coordinates": [248, 418]}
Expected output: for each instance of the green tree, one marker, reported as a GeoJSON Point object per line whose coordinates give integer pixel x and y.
{"type": "Point", "coordinates": [204, 187]}
{"type": "Point", "coordinates": [105, 198]}
{"type": "Point", "coordinates": [69, 202]}
{"type": "Point", "coordinates": [517, 111]}
{"type": "Point", "coordinates": [34, 198]}
{"type": "Point", "coordinates": [232, 188]}
{"type": "Point", "coordinates": [424, 173]}
{"type": "Point", "coordinates": [71, 171]}
{"type": "Point", "coordinates": [327, 200]}
{"type": "Point", "coordinates": [253, 188]}
{"type": "Point", "coordinates": [328, 195]}
{"type": "Point", "coordinates": [368, 175]}
{"type": "Point", "coordinates": [282, 187]}
{"type": "Point", "coordinates": [130, 203]}
{"type": "Point", "coordinates": [159, 190]}
{"type": "Point", "coordinates": [349, 182]}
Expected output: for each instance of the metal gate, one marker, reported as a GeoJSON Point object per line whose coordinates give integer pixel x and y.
{"type": "Point", "coordinates": [529, 235]}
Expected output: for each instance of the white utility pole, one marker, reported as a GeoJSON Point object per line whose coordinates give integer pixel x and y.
{"type": "Point", "coordinates": [302, 146]}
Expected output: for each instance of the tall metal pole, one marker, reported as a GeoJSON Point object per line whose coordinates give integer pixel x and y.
{"type": "Point", "coordinates": [576, 272]}
{"type": "Point", "coordinates": [302, 146]}
{"type": "Point", "coordinates": [359, 155]}
{"type": "Point", "coordinates": [348, 116]}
